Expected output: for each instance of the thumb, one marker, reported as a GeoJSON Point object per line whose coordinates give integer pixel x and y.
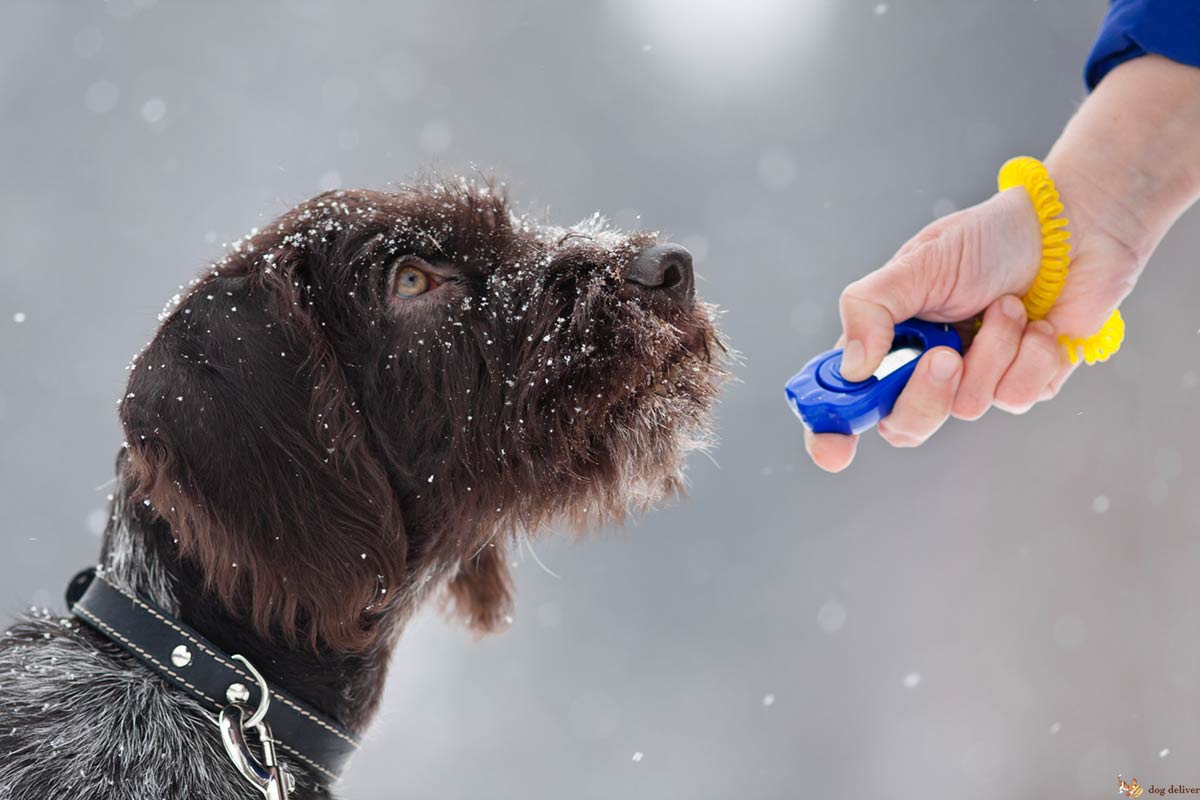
{"type": "Point", "coordinates": [873, 305]}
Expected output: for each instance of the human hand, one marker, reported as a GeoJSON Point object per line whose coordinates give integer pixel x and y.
{"type": "Point", "coordinates": [977, 261]}
{"type": "Point", "coordinates": [1126, 166]}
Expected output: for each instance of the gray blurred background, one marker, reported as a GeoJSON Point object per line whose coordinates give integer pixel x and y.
{"type": "Point", "coordinates": [1006, 612]}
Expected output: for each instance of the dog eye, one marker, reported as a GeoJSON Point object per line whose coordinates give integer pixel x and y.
{"type": "Point", "coordinates": [411, 281]}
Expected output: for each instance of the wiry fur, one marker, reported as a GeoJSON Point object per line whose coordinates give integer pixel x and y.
{"type": "Point", "coordinates": [308, 458]}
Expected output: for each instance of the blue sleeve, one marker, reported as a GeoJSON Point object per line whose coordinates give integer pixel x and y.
{"type": "Point", "coordinates": [1134, 28]}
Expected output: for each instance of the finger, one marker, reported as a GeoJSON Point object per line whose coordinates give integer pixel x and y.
{"type": "Point", "coordinates": [1037, 362]}
{"type": "Point", "coordinates": [871, 307]}
{"type": "Point", "coordinates": [1056, 383]}
{"type": "Point", "coordinates": [991, 354]}
{"type": "Point", "coordinates": [925, 403]}
{"type": "Point", "coordinates": [832, 452]}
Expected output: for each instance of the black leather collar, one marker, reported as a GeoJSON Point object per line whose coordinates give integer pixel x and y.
{"type": "Point", "coordinates": [197, 666]}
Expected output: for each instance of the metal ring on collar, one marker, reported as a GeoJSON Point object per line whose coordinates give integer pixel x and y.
{"type": "Point", "coordinates": [264, 693]}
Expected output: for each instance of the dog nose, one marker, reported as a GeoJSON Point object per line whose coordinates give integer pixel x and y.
{"type": "Point", "coordinates": [667, 269]}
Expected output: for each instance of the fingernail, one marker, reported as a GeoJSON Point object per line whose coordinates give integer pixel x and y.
{"type": "Point", "coordinates": [853, 356]}
{"type": "Point", "coordinates": [1012, 308]}
{"type": "Point", "coordinates": [943, 366]}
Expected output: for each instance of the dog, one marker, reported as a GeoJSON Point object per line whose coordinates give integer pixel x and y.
{"type": "Point", "coordinates": [356, 411]}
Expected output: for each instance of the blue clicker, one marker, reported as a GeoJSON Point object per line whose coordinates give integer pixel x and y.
{"type": "Point", "coordinates": [828, 403]}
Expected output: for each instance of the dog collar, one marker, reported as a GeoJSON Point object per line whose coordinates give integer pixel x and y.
{"type": "Point", "coordinates": [210, 676]}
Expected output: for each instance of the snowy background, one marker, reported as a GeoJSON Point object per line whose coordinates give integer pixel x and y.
{"type": "Point", "coordinates": [1006, 612]}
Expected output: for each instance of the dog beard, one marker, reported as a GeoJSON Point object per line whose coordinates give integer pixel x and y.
{"type": "Point", "coordinates": [629, 383]}
{"type": "Point", "coordinates": [668, 413]}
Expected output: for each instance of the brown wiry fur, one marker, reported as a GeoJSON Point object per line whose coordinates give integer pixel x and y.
{"type": "Point", "coordinates": [311, 455]}
{"type": "Point", "coordinates": [326, 455]}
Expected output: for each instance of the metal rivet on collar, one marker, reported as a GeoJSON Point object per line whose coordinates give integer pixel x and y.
{"type": "Point", "coordinates": [237, 693]}
{"type": "Point", "coordinates": [181, 656]}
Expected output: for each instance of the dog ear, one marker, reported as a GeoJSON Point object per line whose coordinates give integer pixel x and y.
{"type": "Point", "coordinates": [481, 592]}
{"type": "Point", "coordinates": [244, 437]}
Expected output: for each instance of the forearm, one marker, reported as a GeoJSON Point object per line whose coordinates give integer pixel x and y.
{"type": "Point", "coordinates": [1129, 160]}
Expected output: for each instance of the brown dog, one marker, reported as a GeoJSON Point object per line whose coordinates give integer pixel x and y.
{"type": "Point", "coordinates": [361, 404]}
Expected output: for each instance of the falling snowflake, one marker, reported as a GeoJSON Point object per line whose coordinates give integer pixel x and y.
{"type": "Point", "coordinates": [19, 317]}
{"type": "Point", "coordinates": [153, 110]}
{"type": "Point", "coordinates": [637, 756]}
{"type": "Point", "coordinates": [831, 617]}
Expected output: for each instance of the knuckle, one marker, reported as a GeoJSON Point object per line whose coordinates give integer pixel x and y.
{"type": "Point", "coordinates": [932, 233]}
{"type": "Point", "coordinates": [889, 433]}
{"type": "Point", "coordinates": [852, 295]}
{"type": "Point", "coordinates": [1016, 411]}
{"type": "Point", "coordinates": [944, 244]}
{"type": "Point", "coordinates": [910, 442]}
{"type": "Point", "coordinates": [921, 415]}
{"type": "Point", "coordinates": [929, 419]}
{"type": "Point", "coordinates": [902, 436]}
{"type": "Point", "coordinates": [1004, 332]}
{"type": "Point", "coordinates": [903, 440]}
{"type": "Point", "coordinates": [1040, 337]}
{"type": "Point", "coordinates": [1013, 402]}
{"type": "Point", "coordinates": [1051, 391]}
{"type": "Point", "coordinates": [971, 406]}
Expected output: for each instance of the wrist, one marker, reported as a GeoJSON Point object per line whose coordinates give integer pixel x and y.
{"type": "Point", "coordinates": [1102, 208]}
{"type": "Point", "coordinates": [1128, 163]}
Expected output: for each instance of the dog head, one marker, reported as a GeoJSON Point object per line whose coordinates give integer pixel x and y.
{"type": "Point", "coordinates": [372, 394]}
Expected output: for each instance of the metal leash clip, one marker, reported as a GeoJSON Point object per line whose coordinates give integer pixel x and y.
{"type": "Point", "coordinates": [267, 776]}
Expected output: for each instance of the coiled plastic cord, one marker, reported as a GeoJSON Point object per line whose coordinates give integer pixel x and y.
{"type": "Point", "coordinates": [1056, 260]}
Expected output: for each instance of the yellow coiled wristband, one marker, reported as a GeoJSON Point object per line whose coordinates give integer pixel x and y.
{"type": "Point", "coordinates": [1056, 260]}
